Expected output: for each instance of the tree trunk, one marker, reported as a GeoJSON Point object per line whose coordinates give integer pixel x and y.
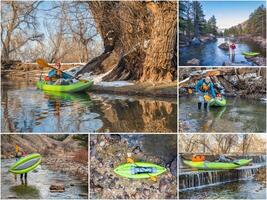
{"type": "Point", "coordinates": [139, 40]}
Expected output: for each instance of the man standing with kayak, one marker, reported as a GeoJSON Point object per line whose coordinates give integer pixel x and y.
{"type": "Point", "coordinates": [232, 48]}
{"type": "Point", "coordinates": [205, 90]}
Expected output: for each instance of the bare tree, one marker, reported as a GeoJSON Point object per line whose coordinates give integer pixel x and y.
{"type": "Point", "coordinates": [18, 26]}
{"type": "Point", "coordinates": [81, 25]}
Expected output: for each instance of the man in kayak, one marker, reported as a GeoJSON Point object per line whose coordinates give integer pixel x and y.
{"type": "Point", "coordinates": [57, 77]}
{"type": "Point", "coordinates": [205, 89]}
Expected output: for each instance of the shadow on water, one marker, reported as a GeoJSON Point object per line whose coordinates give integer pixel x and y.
{"type": "Point", "coordinates": [25, 191]}
{"type": "Point", "coordinates": [210, 54]}
{"type": "Point", "coordinates": [239, 115]}
{"type": "Point", "coordinates": [26, 109]}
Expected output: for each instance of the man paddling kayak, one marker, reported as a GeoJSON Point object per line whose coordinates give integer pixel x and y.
{"type": "Point", "coordinates": [205, 89]}
{"type": "Point", "coordinates": [57, 77]}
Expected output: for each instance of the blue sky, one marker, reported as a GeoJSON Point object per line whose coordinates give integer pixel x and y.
{"type": "Point", "coordinates": [230, 13]}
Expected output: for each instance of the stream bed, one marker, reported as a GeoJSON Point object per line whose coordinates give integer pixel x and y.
{"type": "Point", "coordinates": [239, 115]}
{"type": "Point", "coordinates": [27, 109]}
{"type": "Point", "coordinates": [38, 184]}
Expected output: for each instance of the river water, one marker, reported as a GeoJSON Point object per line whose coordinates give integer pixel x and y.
{"type": "Point", "coordinates": [239, 115]}
{"type": "Point", "coordinates": [244, 189]}
{"type": "Point", "coordinates": [38, 184]}
{"type": "Point", "coordinates": [26, 109]}
{"type": "Point", "coordinates": [210, 54]}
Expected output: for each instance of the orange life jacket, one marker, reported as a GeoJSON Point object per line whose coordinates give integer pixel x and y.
{"type": "Point", "coordinates": [198, 158]}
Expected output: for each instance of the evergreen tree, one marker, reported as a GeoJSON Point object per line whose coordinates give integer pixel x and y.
{"type": "Point", "coordinates": [199, 21]}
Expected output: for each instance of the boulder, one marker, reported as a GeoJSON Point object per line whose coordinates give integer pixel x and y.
{"type": "Point", "coordinates": [57, 187]}
{"type": "Point", "coordinates": [195, 41]}
{"type": "Point", "coordinates": [193, 62]}
{"type": "Point", "coordinates": [224, 46]}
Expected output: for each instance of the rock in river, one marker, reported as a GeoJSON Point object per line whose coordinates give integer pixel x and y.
{"type": "Point", "coordinates": [57, 187]}
{"type": "Point", "coordinates": [224, 46]}
{"type": "Point", "coordinates": [193, 62]}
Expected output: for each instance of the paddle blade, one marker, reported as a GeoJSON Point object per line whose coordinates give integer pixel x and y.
{"type": "Point", "coordinates": [43, 63]}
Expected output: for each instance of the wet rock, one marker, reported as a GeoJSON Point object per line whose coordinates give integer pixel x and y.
{"type": "Point", "coordinates": [57, 187]}
{"type": "Point", "coordinates": [224, 46]}
{"type": "Point", "coordinates": [195, 41]}
{"type": "Point", "coordinates": [193, 62]}
{"type": "Point", "coordinates": [136, 150]}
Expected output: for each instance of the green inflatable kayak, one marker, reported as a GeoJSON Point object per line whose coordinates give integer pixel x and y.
{"type": "Point", "coordinates": [216, 102]}
{"type": "Point", "coordinates": [76, 87]}
{"type": "Point", "coordinates": [26, 164]}
{"type": "Point", "coordinates": [251, 53]}
{"type": "Point", "coordinates": [218, 165]}
{"type": "Point", "coordinates": [139, 170]}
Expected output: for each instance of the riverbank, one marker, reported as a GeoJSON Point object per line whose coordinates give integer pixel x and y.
{"type": "Point", "coordinates": [109, 151]}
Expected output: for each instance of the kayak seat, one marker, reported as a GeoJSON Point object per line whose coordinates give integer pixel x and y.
{"type": "Point", "coordinates": [142, 170]}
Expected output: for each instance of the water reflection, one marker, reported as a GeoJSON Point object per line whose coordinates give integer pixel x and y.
{"type": "Point", "coordinates": [210, 55]}
{"type": "Point", "coordinates": [240, 115]}
{"type": "Point", "coordinates": [26, 109]}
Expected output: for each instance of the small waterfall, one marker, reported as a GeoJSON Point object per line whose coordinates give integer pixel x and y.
{"type": "Point", "coordinates": [196, 179]}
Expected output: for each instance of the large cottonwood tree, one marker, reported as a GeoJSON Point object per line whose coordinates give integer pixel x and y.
{"type": "Point", "coordinates": [140, 40]}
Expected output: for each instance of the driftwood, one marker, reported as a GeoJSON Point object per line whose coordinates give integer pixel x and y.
{"type": "Point", "coordinates": [218, 72]}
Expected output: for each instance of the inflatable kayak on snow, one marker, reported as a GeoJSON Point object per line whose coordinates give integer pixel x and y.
{"type": "Point", "coordinates": [251, 53]}
{"type": "Point", "coordinates": [138, 170]}
{"type": "Point", "coordinates": [217, 102]}
{"type": "Point", "coordinates": [217, 165]}
{"type": "Point", "coordinates": [26, 164]}
{"type": "Point", "coordinates": [75, 87]}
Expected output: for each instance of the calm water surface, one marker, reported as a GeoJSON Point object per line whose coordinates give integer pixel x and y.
{"type": "Point", "coordinates": [210, 54]}
{"type": "Point", "coordinates": [239, 115]}
{"type": "Point", "coordinates": [26, 109]}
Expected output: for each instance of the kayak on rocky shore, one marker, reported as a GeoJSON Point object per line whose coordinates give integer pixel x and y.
{"type": "Point", "coordinates": [139, 170]}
